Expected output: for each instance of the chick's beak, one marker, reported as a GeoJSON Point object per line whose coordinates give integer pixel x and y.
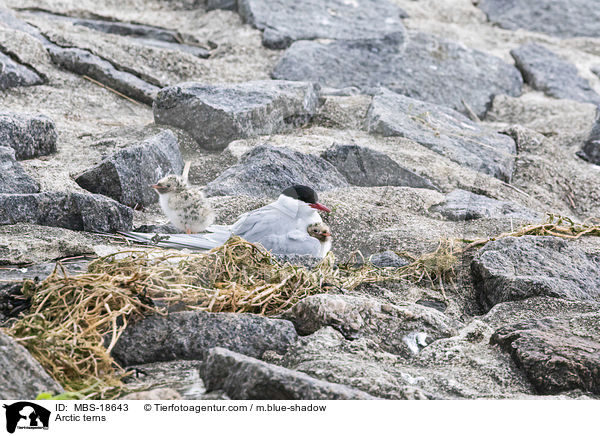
{"type": "Point", "coordinates": [319, 206]}
{"type": "Point", "coordinates": [327, 234]}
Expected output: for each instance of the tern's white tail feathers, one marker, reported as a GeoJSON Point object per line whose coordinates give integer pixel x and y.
{"type": "Point", "coordinates": [178, 241]}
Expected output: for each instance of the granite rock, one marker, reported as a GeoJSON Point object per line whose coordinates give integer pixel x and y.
{"type": "Point", "coordinates": [547, 72]}
{"type": "Point", "coordinates": [246, 378]}
{"type": "Point", "coordinates": [30, 135]}
{"type": "Point", "coordinates": [363, 166]}
{"type": "Point", "coordinates": [126, 175]}
{"type": "Point", "coordinates": [190, 335]}
{"type": "Point", "coordinates": [417, 69]}
{"type": "Point", "coordinates": [516, 268]}
{"type": "Point", "coordinates": [215, 115]}
{"type": "Point", "coordinates": [444, 131]}
{"type": "Point", "coordinates": [286, 21]}
{"type": "Point", "coordinates": [265, 171]}
{"type": "Point", "coordinates": [13, 178]}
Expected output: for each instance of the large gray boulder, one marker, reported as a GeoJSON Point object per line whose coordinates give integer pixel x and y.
{"type": "Point", "coordinates": [556, 355]}
{"type": "Point", "coordinates": [460, 205]}
{"type": "Point", "coordinates": [444, 131]}
{"type": "Point", "coordinates": [245, 378]}
{"type": "Point", "coordinates": [21, 376]}
{"type": "Point", "coordinates": [13, 178]}
{"type": "Point", "coordinates": [189, 335]}
{"type": "Point", "coordinates": [547, 72]}
{"type": "Point", "coordinates": [591, 148]}
{"type": "Point", "coordinates": [265, 171]}
{"type": "Point", "coordinates": [215, 115]}
{"type": "Point", "coordinates": [516, 268]}
{"type": "Point", "coordinates": [363, 166]}
{"type": "Point", "coordinates": [427, 68]}
{"type": "Point", "coordinates": [286, 21]}
{"type": "Point", "coordinates": [14, 74]}
{"type": "Point", "coordinates": [73, 210]}
{"type": "Point", "coordinates": [562, 18]}
{"type": "Point", "coordinates": [402, 330]}
{"type": "Point", "coordinates": [126, 175]}
{"type": "Point", "coordinates": [85, 63]}
{"type": "Point", "coordinates": [29, 135]}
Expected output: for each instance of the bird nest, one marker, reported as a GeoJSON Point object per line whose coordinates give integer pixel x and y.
{"type": "Point", "coordinates": [75, 320]}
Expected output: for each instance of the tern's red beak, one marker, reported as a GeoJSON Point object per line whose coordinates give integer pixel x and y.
{"type": "Point", "coordinates": [319, 206]}
{"type": "Point", "coordinates": [155, 186]}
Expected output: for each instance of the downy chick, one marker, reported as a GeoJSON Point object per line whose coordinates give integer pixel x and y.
{"type": "Point", "coordinates": [321, 232]}
{"type": "Point", "coordinates": [185, 206]}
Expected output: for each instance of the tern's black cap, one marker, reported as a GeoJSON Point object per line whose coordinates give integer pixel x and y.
{"type": "Point", "coordinates": [302, 193]}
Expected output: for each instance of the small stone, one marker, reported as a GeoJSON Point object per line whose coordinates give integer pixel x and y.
{"type": "Point", "coordinates": [387, 259]}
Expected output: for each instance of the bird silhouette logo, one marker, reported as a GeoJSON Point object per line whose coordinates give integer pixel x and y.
{"type": "Point", "coordinates": [26, 415]}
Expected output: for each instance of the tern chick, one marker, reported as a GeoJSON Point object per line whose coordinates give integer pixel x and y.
{"type": "Point", "coordinates": [185, 206]}
{"type": "Point", "coordinates": [321, 232]}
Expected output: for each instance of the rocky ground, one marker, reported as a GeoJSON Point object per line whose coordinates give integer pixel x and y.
{"type": "Point", "coordinates": [417, 121]}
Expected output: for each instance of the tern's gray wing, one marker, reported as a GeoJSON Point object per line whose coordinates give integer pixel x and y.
{"type": "Point", "coordinates": [294, 242]}
{"type": "Point", "coordinates": [258, 225]}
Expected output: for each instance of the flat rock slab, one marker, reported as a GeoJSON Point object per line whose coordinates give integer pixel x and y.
{"type": "Point", "coordinates": [416, 69]}
{"type": "Point", "coordinates": [246, 378]}
{"type": "Point", "coordinates": [286, 21]}
{"type": "Point", "coordinates": [21, 376]}
{"type": "Point", "coordinates": [73, 210]}
{"type": "Point", "coordinates": [547, 72]}
{"type": "Point", "coordinates": [126, 175]}
{"type": "Point", "coordinates": [591, 148]}
{"type": "Point", "coordinates": [363, 166]}
{"type": "Point", "coordinates": [265, 171]}
{"type": "Point", "coordinates": [215, 115]}
{"type": "Point", "coordinates": [189, 335]}
{"type": "Point", "coordinates": [13, 178]}
{"type": "Point", "coordinates": [555, 355]}
{"type": "Point", "coordinates": [84, 63]}
{"type": "Point", "coordinates": [13, 74]}
{"type": "Point", "coordinates": [516, 268]}
{"type": "Point", "coordinates": [562, 18]}
{"type": "Point", "coordinates": [29, 135]}
{"type": "Point", "coordinates": [462, 205]}
{"type": "Point", "coordinates": [402, 330]}
{"type": "Point", "coordinates": [444, 131]}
